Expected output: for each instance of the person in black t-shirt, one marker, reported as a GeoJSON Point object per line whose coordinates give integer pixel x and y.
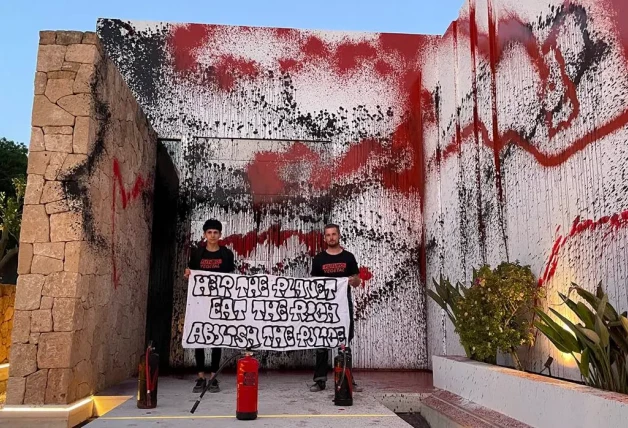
{"type": "Point", "coordinates": [213, 258]}
{"type": "Point", "coordinates": [334, 262]}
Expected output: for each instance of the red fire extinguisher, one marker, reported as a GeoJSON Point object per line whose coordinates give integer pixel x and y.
{"type": "Point", "coordinates": [247, 376]}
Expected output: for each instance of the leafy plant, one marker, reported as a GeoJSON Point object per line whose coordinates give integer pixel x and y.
{"type": "Point", "coordinates": [448, 297]}
{"type": "Point", "coordinates": [494, 314]}
{"type": "Point", "coordinates": [599, 343]}
{"type": "Point", "coordinates": [11, 214]}
{"type": "Point", "coordinates": [13, 163]}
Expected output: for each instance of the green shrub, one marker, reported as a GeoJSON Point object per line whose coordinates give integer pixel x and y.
{"type": "Point", "coordinates": [496, 313]}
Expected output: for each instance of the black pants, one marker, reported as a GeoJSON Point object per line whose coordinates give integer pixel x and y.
{"type": "Point", "coordinates": [322, 355]}
{"type": "Point", "coordinates": [199, 353]}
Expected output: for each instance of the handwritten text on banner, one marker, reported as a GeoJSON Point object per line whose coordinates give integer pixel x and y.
{"type": "Point", "coordinates": [265, 312]}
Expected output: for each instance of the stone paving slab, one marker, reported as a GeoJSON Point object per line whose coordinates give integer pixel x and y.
{"type": "Point", "coordinates": [284, 401]}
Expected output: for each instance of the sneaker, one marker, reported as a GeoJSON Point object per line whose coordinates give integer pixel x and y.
{"type": "Point", "coordinates": [200, 385]}
{"type": "Point", "coordinates": [318, 386]}
{"type": "Point", "coordinates": [214, 387]}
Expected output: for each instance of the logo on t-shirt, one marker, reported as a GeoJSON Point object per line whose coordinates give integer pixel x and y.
{"type": "Point", "coordinates": [334, 267]}
{"type": "Point", "coordinates": [211, 263]}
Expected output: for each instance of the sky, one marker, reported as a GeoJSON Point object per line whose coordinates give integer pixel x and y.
{"type": "Point", "coordinates": [23, 19]}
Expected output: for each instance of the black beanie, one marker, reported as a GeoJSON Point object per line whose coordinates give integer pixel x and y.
{"type": "Point", "coordinates": [212, 224]}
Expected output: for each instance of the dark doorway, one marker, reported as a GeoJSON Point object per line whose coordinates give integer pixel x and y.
{"type": "Point", "coordinates": [163, 255]}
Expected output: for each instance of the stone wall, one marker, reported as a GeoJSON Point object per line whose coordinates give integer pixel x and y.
{"type": "Point", "coordinates": [85, 242]}
{"type": "Point", "coordinates": [7, 300]}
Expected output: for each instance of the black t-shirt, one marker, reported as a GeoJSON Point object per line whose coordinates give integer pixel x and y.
{"type": "Point", "coordinates": [340, 265]}
{"type": "Point", "coordinates": [336, 266]}
{"type": "Point", "coordinates": [221, 260]}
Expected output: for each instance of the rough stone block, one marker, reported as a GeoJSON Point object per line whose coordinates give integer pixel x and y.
{"type": "Point", "coordinates": [34, 338]}
{"type": "Point", "coordinates": [85, 54]}
{"type": "Point", "coordinates": [55, 250]}
{"type": "Point", "coordinates": [28, 292]}
{"type": "Point", "coordinates": [47, 37]}
{"type": "Point", "coordinates": [74, 251]}
{"type": "Point", "coordinates": [46, 265]}
{"type": "Point", "coordinates": [69, 37]}
{"type": "Point", "coordinates": [84, 371]}
{"type": "Point", "coordinates": [58, 143]}
{"type": "Point", "coordinates": [66, 227]}
{"type": "Point", "coordinates": [37, 140]}
{"type": "Point", "coordinates": [71, 66]}
{"type": "Point", "coordinates": [90, 38]}
{"type": "Point", "coordinates": [83, 390]}
{"type": "Point", "coordinates": [67, 314]}
{"type": "Point", "coordinates": [52, 192]}
{"type": "Point", "coordinates": [84, 77]}
{"type": "Point", "coordinates": [41, 321]}
{"type": "Point", "coordinates": [84, 135]}
{"type": "Point", "coordinates": [50, 57]}
{"type": "Point", "coordinates": [71, 162]}
{"type": "Point", "coordinates": [23, 360]}
{"type": "Point", "coordinates": [77, 105]}
{"type": "Point", "coordinates": [65, 130]}
{"type": "Point", "coordinates": [38, 162]}
{"type": "Point", "coordinates": [55, 164]}
{"type": "Point", "coordinates": [55, 350]}
{"type": "Point", "coordinates": [62, 284]}
{"type": "Point", "coordinates": [24, 258]}
{"type": "Point", "coordinates": [16, 386]}
{"type": "Point", "coordinates": [58, 390]}
{"type": "Point", "coordinates": [21, 326]}
{"type": "Point", "coordinates": [57, 207]}
{"type": "Point", "coordinates": [35, 227]}
{"type": "Point", "coordinates": [64, 73]}
{"type": "Point", "coordinates": [46, 302]}
{"type": "Point", "coordinates": [58, 88]}
{"type": "Point", "coordinates": [40, 82]}
{"type": "Point", "coordinates": [36, 387]}
{"type": "Point", "coordinates": [46, 113]}
{"type": "Point", "coordinates": [82, 346]}
{"type": "Point", "coordinates": [100, 295]}
{"type": "Point", "coordinates": [34, 189]}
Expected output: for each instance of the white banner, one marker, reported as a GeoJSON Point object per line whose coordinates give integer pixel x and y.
{"type": "Point", "coordinates": [265, 312]}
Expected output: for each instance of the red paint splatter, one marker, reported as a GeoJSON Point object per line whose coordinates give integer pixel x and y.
{"type": "Point", "coordinates": [619, 15]}
{"type": "Point", "coordinates": [268, 177]}
{"type": "Point", "coordinates": [513, 30]}
{"type": "Point", "coordinates": [612, 223]}
{"type": "Point", "coordinates": [392, 55]}
{"type": "Point", "coordinates": [185, 42]}
{"type": "Point", "coordinates": [365, 275]}
{"type": "Point", "coordinates": [349, 56]}
{"type": "Point", "coordinates": [229, 69]}
{"type": "Point", "coordinates": [289, 65]}
{"type": "Point", "coordinates": [314, 48]}
{"type": "Point", "coordinates": [286, 33]}
{"type": "Point", "coordinates": [383, 68]}
{"type": "Point", "coordinates": [127, 196]}
{"type": "Point", "coordinates": [244, 244]}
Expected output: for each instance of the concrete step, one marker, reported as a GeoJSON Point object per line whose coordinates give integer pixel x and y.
{"type": "Point", "coordinates": [442, 409]}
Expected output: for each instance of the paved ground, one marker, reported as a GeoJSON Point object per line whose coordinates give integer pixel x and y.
{"type": "Point", "coordinates": [284, 401]}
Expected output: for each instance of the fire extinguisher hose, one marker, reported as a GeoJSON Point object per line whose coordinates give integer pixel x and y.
{"type": "Point", "coordinates": [233, 357]}
{"type": "Point", "coordinates": [344, 368]}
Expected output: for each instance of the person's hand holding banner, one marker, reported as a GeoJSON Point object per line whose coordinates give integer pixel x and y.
{"type": "Point", "coordinates": [265, 312]}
